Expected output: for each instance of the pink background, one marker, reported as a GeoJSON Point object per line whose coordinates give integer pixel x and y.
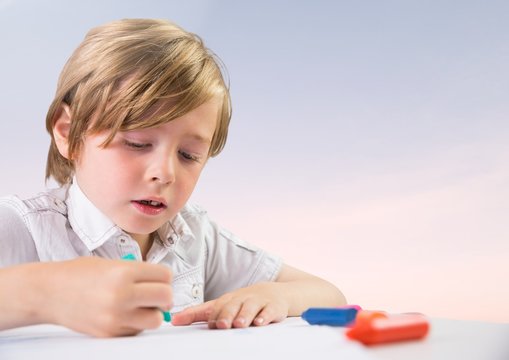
{"type": "Point", "coordinates": [369, 141]}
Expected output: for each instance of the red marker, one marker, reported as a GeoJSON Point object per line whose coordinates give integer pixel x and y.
{"type": "Point", "coordinates": [375, 327]}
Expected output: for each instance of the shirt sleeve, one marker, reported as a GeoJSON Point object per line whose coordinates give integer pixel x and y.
{"type": "Point", "coordinates": [16, 243]}
{"type": "Point", "coordinates": [232, 263]}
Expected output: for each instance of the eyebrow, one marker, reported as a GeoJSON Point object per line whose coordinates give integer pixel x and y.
{"type": "Point", "coordinates": [200, 138]}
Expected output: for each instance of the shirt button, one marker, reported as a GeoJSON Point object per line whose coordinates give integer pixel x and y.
{"type": "Point", "coordinates": [171, 240]}
{"type": "Point", "coordinates": [196, 291]}
{"type": "Point", "coordinates": [122, 240]}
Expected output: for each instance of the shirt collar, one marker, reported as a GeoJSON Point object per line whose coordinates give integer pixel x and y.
{"type": "Point", "coordinates": [88, 222]}
{"type": "Point", "coordinates": [174, 231]}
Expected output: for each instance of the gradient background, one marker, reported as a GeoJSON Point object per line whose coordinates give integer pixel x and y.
{"type": "Point", "coordinates": [369, 141]}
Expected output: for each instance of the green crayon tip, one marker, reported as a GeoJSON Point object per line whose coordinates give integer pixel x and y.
{"type": "Point", "coordinates": [166, 316]}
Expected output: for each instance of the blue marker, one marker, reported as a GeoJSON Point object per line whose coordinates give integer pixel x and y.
{"type": "Point", "coordinates": [330, 316]}
{"type": "Point", "coordinates": [166, 314]}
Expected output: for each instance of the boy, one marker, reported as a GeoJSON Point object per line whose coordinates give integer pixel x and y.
{"type": "Point", "coordinates": [140, 107]}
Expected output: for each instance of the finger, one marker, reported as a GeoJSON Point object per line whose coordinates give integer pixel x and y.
{"type": "Point", "coordinates": [123, 331]}
{"type": "Point", "coordinates": [150, 294]}
{"type": "Point", "coordinates": [223, 314]}
{"type": "Point", "coordinates": [269, 314]}
{"type": "Point", "coordinates": [125, 323]}
{"type": "Point", "coordinates": [250, 308]}
{"type": "Point", "coordinates": [149, 272]}
{"type": "Point", "coordinates": [144, 318]}
{"type": "Point", "coordinates": [127, 332]}
{"type": "Point", "coordinates": [193, 314]}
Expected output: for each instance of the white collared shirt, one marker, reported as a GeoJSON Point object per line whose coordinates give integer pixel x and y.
{"type": "Point", "coordinates": [206, 260]}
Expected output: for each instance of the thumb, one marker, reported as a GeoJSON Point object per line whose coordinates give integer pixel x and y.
{"type": "Point", "coordinates": [193, 314]}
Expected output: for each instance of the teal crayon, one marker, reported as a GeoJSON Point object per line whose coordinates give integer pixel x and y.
{"type": "Point", "coordinates": [166, 314]}
{"type": "Point", "coordinates": [128, 257]}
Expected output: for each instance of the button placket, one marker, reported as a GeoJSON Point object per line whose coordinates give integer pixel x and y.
{"type": "Point", "coordinates": [125, 246]}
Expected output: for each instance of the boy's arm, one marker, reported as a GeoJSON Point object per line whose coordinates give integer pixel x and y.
{"type": "Point", "coordinates": [90, 295]}
{"type": "Point", "coordinates": [304, 290]}
{"type": "Point", "coordinates": [260, 304]}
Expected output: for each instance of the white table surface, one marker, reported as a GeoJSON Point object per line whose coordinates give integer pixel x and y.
{"type": "Point", "coordinates": [292, 339]}
{"type": "Point", "coordinates": [452, 340]}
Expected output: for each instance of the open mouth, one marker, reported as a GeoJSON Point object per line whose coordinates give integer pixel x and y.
{"type": "Point", "coordinates": [155, 204]}
{"type": "Point", "coordinates": [150, 204]}
{"type": "Point", "coordinates": [149, 207]}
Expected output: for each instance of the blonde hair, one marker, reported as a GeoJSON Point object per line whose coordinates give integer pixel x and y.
{"type": "Point", "coordinates": [126, 69]}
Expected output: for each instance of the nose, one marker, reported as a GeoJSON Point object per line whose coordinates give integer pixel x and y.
{"type": "Point", "coordinates": [162, 170]}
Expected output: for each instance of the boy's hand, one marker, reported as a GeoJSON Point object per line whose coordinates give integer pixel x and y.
{"type": "Point", "coordinates": [259, 304]}
{"type": "Point", "coordinates": [103, 297]}
{"type": "Point", "coordinates": [293, 292]}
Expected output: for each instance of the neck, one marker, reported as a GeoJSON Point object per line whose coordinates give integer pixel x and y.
{"type": "Point", "coordinates": [145, 243]}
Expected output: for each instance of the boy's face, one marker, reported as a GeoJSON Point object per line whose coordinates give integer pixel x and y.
{"type": "Point", "coordinates": [144, 177]}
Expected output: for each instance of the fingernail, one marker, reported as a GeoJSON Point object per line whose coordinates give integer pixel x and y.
{"type": "Point", "coordinates": [239, 322]}
{"type": "Point", "coordinates": [258, 321]}
{"type": "Point", "coordinates": [222, 324]}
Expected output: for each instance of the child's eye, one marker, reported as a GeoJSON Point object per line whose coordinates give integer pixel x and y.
{"type": "Point", "coordinates": [137, 146]}
{"type": "Point", "coordinates": [188, 156]}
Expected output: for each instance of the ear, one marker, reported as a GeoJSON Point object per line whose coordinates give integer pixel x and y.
{"type": "Point", "coordinates": [61, 129]}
